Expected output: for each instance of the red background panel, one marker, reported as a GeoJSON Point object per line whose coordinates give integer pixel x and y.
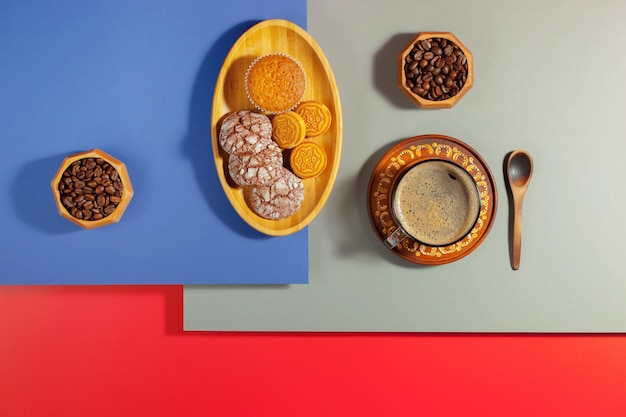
{"type": "Point", "coordinates": [120, 351]}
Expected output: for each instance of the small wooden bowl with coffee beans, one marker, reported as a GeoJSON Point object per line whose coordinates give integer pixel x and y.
{"type": "Point", "coordinates": [92, 189]}
{"type": "Point", "coordinates": [435, 70]}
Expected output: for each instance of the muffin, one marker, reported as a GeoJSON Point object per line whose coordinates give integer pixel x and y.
{"type": "Point", "coordinates": [288, 129]}
{"type": "Point", "coordinates": [316, 116]}
{"type": "Point", "coordinates": [308, 160]}
{"type": "Point", "coordinates": [275, 83]}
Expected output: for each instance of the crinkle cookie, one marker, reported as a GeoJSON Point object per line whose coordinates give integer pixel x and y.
{"type": "Point", "coordinates": [258, 169]}
{"type": "Point", "coordinates": [280, 199]}
{"type": "Point", "coordinates": [245, 133]}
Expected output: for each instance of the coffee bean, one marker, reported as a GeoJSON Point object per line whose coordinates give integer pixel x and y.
{"type": "Point", "coordinates": [427, 60]}
{"type": "Point", "coordinates": [91, 188]}
{"type": "Point", "coordinates": [68, 202]}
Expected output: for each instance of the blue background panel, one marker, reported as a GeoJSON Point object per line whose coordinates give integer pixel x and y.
{"type": "Point", "coordinates": [136, 80]}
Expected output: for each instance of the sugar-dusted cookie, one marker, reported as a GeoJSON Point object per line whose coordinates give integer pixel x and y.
{"type": "Point", "coordinates": [280, 199]}
{"type": "Point", "coordinates": [245, 133]}
{"type": "Point", "coordinates": [258, 169]}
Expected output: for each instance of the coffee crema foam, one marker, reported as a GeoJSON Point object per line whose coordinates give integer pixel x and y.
{"type": "Point", "coordinates": [436, 202]}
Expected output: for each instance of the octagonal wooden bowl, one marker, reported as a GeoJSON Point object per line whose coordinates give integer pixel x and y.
{"type": "Point", "coordinates": [127, 192]}
{"type": "Point", "coordinates": [424, 102]}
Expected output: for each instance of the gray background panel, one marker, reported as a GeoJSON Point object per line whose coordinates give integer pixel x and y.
{"type": "Point", "coordinates": [549, 78]}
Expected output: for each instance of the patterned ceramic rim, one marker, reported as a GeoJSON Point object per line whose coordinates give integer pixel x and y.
{"type": "Point", "coordinates": [398, 160]}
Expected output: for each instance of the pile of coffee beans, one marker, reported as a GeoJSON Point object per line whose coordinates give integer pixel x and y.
{"type": "Point", "coordinates": [435, 69]}
{"type": "Point", "coordinates": [90, 188]}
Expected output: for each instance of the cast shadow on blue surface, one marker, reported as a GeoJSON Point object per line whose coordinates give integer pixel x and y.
{"type": "Point", "coordinates": [33, 200]}
{"type": "Point", "coordinates": [197, 143]}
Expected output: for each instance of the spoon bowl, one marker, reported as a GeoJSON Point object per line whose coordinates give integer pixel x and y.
{"type": "Point", "coordinates": [518, 171]}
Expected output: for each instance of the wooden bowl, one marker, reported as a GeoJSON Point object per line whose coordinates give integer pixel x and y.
{"type": "Point", "coordinates": [127, 191]}
{"type": "Point", "coordinates": [424, 102]}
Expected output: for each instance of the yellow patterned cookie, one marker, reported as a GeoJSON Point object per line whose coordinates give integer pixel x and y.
{"type": "Point", "coordinates": [316, 116]}
{"type": "Point", "coordinates": [288, 129]}
{"type": "Point", "coordinates": [308, 160]}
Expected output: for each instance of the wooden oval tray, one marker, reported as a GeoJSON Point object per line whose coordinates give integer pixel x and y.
{"type": "Point", "coordinates": [396, 162]}
{"type": "Point", "coordinates": [278, 36]}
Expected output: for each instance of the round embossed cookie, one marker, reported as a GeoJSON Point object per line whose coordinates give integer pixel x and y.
{"type": "Point", "coordinates": [308, 160]}
{"type": "Point", "coordinates": [316, 116]}
{"type": "Point", "coordinates": [280, 199]}
{"type": "Point", "coordinates": [258, 169]}
{"type": "Point", "coordinates": [288, 129]}
{"type": "Point", "coordinates": [245, 133]}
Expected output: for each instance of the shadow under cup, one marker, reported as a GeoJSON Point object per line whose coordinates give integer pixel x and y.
{"type": "Point", "coordinates": [436, 203]}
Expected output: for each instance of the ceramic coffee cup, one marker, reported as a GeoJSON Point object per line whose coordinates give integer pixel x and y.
{"type": "Point", "coordinates": [435, 203]}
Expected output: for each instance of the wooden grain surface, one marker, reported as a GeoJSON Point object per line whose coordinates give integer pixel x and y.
{"type": "Point", "coordinates": [278, 36]}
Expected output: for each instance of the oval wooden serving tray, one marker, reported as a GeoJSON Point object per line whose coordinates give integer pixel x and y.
{"type": "Point", "coordinates": [278, 36]}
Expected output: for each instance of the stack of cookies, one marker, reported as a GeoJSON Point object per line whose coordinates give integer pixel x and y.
{"type": "Point", "coordinates": [255, 161]}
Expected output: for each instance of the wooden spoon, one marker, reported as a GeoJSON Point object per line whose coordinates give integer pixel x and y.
{"type": "Point", "coordinates": [519, 170]}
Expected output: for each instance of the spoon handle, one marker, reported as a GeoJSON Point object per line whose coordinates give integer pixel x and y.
{"type": "Point", "coordinates": [517, 232]}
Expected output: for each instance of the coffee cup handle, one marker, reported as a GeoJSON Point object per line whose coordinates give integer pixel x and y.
{"type": "Point", "coordinates": [395, 238]}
